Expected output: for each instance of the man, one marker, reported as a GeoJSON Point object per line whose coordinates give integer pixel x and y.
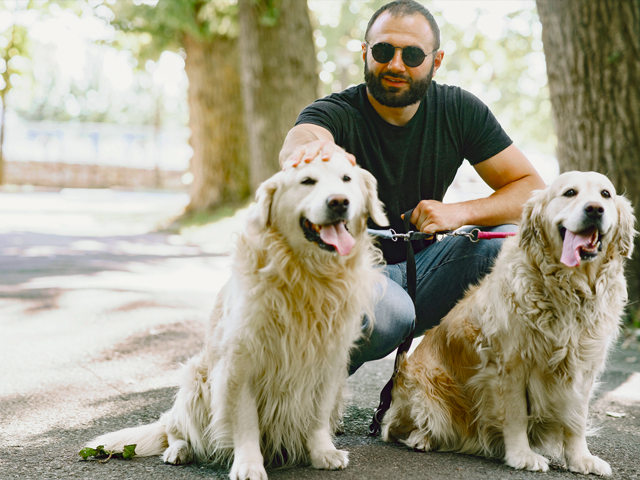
{"type": "Point", "coordinates": [413, 135]}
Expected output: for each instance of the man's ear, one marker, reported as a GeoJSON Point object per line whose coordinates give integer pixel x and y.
{"type": "Point", "coordinates": [373, 203]}
{"type": "Point", "coordinates": [259, 218]}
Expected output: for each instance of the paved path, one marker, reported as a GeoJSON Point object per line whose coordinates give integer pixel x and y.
{"type": "Point", "coordinates": [96, 314]}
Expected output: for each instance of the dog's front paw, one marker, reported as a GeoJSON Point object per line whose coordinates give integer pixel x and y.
{"type": "Point", "coordinates": [330, 459]}
{"type": "Point", "coordinates": [178, 453]}
{"type": "Point", "coordinates": [418, 441]}
{"type": "Point", "coordinates": [589, 464]}
{"type": "Point", "coordinates": [527, 460]}
{"type": "Point", "coordinates": [247, 471]}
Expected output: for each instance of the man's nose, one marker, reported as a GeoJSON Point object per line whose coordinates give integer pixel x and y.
{"type": "Point", "coordinates": [396, 62]}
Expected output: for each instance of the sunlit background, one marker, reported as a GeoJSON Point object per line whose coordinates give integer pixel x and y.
{"type": "Point", "coordinates": [78, 92]}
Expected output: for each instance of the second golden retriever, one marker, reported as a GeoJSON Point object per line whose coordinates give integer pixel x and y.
{"type": "Point", "coordinates": [511, 368]}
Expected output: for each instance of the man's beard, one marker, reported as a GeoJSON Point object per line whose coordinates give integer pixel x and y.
{"type": "Point", "coordinates": [390, 96]}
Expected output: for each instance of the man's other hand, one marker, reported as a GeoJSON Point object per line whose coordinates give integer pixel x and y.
{"type": "Point", "coordinates": [431, 216]}
{"type": "Point", "coordinates": [306, 153]}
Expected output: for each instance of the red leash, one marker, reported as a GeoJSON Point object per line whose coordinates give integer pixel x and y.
{"type": "Point", "coordinates": [488, 235]}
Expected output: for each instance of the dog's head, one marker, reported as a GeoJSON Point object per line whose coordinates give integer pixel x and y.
{"type": "Point", "coordinates": [322, 205]}
{"type": "Point", "coordinates": [578, 219]}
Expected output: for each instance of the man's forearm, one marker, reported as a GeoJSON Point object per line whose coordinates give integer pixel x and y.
{"type": "Point", "coordinates": [504, 205]}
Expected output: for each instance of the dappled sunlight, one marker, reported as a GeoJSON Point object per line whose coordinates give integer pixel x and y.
{"type": "Point", "coordinates": [628, 393]}
{"type": "Point", "coordinates": [199, 274]}
{"type": "Point", "coordinates": [83, 212]}
{"type": "Point", "coordinates": [75, 286]}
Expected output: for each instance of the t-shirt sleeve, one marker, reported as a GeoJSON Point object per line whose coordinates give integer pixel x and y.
{"type": "Point", "coordinates": [482, 135]}
{"type": "Point", "coordinates": [326, 113]}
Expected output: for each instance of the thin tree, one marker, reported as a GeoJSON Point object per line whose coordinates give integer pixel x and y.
{"type": "Point", "coordinates": [15, 45]}
{"type": "Point", "coordinates": [279, 73]}
{"type": "Point", "coordinates": [592, 49]}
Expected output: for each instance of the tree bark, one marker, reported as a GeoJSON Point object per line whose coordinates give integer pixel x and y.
{"type": "Point", "coordinates": [279, 77]}
{"type": "Point", "coordinates": [592, 49]}
{"type": "Point", "coordinates": [220, 156]}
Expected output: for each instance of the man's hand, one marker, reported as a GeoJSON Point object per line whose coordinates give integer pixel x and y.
{"type": "Point", "coordinates": [431, 216]}
{"type": "Point", "coordinates": [307, 152]}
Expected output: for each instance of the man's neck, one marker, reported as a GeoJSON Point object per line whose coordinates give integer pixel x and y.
{"type": "Point", "coordinates": [399, 116]}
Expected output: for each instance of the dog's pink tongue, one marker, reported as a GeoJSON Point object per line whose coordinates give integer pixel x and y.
{"type": "Point", "coordinates": [338, 236]}
{"type": "Point", "coordinates": [571, 248]}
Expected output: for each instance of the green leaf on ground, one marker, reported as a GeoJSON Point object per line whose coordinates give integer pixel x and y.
{"type": "Point", "coordinates": [87, 452]}
{"type": "Point", "coordinates": [93, 452]}
{"type": "Point", "coordinates": [128, 451]}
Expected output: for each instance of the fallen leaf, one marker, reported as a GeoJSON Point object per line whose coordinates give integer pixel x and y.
{"type": "Point", "coordinates": [616, 414]}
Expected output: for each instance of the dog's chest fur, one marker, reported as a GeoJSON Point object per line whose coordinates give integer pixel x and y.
{"type": "Point", "coordinates": [558, 341]}
{"type": "Point", "coordinates": [287, 327]}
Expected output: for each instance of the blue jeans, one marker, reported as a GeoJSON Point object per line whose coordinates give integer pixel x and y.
{"type": "Point", "coordinates": [444, 272]}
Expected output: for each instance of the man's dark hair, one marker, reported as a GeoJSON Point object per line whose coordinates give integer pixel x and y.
{"type": "Point", "coordinates": [406, 8]}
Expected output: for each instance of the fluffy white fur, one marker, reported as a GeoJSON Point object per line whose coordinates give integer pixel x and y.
{"type": "Point", "coordinates": [264, 388]}
{"type": "Point", "coordinates": [512, 367]}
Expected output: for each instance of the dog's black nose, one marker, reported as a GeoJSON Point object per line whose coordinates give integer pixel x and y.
{"type": "Point", "coordinates": [594, 210]}
{"type": "Point", "coordinates": [338, 203]}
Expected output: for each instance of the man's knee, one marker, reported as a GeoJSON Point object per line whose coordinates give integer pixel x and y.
{"type": "Point", "coordinates": [394, 321]}
{"type": "Point", "coordinates": [395, 313]}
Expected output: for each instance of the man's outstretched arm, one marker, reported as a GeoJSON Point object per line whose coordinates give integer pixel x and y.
{"type": "Point", "coordinates": [512, 177]}
{"type": "Point", "coordinates": [305, 142]}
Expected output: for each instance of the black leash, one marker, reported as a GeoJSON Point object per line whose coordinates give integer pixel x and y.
{"type": "Point", "coordinates": [385, 394]}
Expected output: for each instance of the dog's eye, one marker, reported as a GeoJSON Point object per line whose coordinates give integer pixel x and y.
{"type": "Point", "coordinates": [346, 178]}
{"type": "Point", "coordinates": [308, 181]}
{"type": "Point", "coordinates": [570, 193]}
{"type": "Point", "coordinates": [605, 193]}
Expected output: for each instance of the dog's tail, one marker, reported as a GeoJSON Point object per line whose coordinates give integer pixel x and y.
{"type": "Point", "coordinates": [149, 440]}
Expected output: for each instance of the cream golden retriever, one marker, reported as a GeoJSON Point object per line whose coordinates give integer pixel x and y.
{"type": "Point", "coordinates": [267, 384]}
{"type": "Point", "coordinates": [511, 368]}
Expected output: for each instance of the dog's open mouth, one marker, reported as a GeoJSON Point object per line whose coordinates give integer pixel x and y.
{"type": "Point", "coordinates": [333, 237]}
{"type": "Point", "coordinates": [579, 246]}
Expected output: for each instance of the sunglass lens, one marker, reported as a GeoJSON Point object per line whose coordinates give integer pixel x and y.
{"type": "Point", "coordinates": [382, 52]}
{"type": "Point", "coordinates": [412, 56]}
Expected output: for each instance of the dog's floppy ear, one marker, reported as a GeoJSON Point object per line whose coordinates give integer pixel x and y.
{"type": "Point", "coordinates": [259, 218]}
{"type": "Point", "coordinates": [626, 222]}
{"type": "Point", "coordinates": [374, 205]}
{"type": "Point", "coordinates": [531, 220]}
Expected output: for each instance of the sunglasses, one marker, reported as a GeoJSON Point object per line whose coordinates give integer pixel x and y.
{"type": "Point", "coordinates": [411, 56]}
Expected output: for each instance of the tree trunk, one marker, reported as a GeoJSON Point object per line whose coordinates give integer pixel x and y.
{"type": "Point", "coordinates": [593, 64]}
{"type": "Point", "coordinates": [220, 156]}
{"type": "Point", "coordinates": [279, 76]}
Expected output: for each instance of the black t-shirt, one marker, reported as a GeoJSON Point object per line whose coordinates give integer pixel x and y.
{"type": "Point", "coordinates": [417, 161]}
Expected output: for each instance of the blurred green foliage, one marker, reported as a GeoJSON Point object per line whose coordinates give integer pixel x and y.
{"type": "Point", "coordinates": [15, 63]}
{"type": "Point", "coordinates": [506, 70]}
{"type": "Point", "coordinates": [149, 29]}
